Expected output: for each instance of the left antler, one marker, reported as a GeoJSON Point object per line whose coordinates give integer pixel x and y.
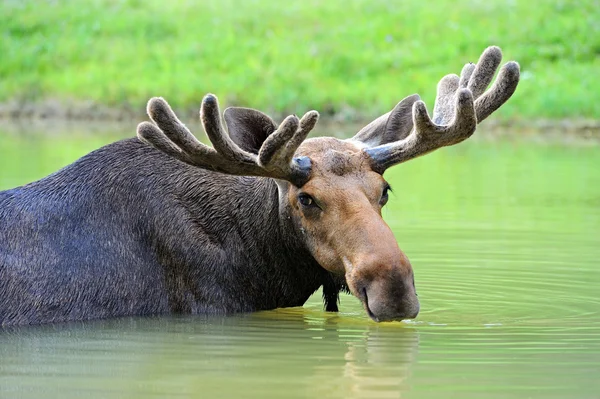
{"type": "Point", "coordinates": [461, 104]}
{"type": "Point", "coordinates": [275, 158]}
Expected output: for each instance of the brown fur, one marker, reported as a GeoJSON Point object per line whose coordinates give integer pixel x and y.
{"type": "Point", "coordinates": [347, 234]}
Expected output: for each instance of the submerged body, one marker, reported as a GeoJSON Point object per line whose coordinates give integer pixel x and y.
{"type": "Point", "coordinates": [127, 230]}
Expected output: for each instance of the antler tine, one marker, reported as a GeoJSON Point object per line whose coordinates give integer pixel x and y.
{"type": "Point", "coordinates": [443, 110]}
{"type": "Point", "coordinates": [210, 117]}
{"type": "Point", "coordinates": [277, 152]}
{"type": "Point", "coordinates": [163, 116]}
{"type": "Point", "coordinates": [152, 135]}
{"type": "Point", "coordinates": [306, 124]}
{"type": "Point", "coordinates": [461, 103]}
{"type": "Point", "coordinates": [465, 75]}
{"type": "Point", "coordinates": [484, 70]}
{"type": "Point", "coordinates": [503, 88]}
{"type": "Point", "coordinates": [275, 144]}
{"type": "Point", "coordinates": [170, 135]}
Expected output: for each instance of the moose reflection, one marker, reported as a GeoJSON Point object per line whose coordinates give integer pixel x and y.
{"type": "Point", "coordinates": [294, 352]}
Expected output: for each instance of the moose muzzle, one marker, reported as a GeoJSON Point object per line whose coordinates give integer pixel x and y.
{"type": "Point", "coordinates": [386, 290]}
{"type": "Point", "coordinates": [380, 275]}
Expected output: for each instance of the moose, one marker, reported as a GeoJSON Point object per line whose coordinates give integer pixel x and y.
{"type": "Point", "coordinates": [162, 223]}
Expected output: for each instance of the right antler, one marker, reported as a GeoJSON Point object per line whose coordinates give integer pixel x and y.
{"type": "Point", "coordinates": [275, 158]}
{"type": "Point", "coordinates": [461, 104]}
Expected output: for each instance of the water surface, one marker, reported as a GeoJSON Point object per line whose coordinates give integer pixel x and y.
{"type": "Point", "coordinates": [504, 238]}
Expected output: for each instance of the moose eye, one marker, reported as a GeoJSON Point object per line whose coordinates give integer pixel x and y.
{"type": "Point", "coordinates": [306, 200]}
{"type": "Point", "coordinates": [384, 195]}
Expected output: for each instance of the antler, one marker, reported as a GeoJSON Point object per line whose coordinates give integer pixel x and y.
{"type": "Point", "coordinates": [461, 103]}
{"type": "Point", "coordinates": [274, 159]}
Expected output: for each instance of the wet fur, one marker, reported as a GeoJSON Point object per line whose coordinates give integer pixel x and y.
{"type": "Point", "coordinates": [127, 230]}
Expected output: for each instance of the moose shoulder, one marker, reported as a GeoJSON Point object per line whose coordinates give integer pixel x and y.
{"type": "Point", "coordinates": [260, 220]}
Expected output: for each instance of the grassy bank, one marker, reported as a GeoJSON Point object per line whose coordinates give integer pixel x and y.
{"type": "Point", "coordinates": [345, 57]}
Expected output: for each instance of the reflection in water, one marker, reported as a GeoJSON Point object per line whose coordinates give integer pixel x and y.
{"type": "Point", "coordinates": [376, 358]}
{"type": "Point", "coordinates": [373, 366]}
{"type": "Point", "coordinates": [296, 352]}
{"type": "Point", "coordinates": [504, 239]}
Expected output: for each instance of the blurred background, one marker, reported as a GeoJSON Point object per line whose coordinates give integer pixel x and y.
{"type": "Point", "coordinates": [350, 59]}
{"type": "Point", "coordinates": [73, 68]}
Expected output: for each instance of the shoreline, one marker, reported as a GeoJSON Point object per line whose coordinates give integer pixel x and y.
{"type": "Point", "coordinates": [54, 116]}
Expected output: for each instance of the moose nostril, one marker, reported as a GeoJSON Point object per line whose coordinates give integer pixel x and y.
{"type": "Point", "coordinates": [366, 301]}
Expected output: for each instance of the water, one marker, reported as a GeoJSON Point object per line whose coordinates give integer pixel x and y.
{"type": "Point", "coordinates": [504, 237]}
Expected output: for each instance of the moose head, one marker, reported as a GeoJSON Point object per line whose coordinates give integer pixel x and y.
{"type": "Point", "coordinates": [331, 191]}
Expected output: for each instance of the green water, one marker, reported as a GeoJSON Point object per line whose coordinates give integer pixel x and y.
{"type": "Point", "coordinates": [504, 238]}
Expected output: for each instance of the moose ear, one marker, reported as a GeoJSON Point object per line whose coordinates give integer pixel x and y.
{"type": "Point", "coordinates": [393, 126]}
{"type": "Point", "coordinates": [248, 128]}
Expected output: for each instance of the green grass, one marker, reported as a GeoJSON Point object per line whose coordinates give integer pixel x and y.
{"type": "Point", "coordinates": [358, 57]}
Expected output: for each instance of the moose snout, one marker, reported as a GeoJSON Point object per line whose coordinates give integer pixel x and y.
{"type": "Point", "coordinates": [385, 301]}
{"type": "Point", "coordinates": [387, 292]}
